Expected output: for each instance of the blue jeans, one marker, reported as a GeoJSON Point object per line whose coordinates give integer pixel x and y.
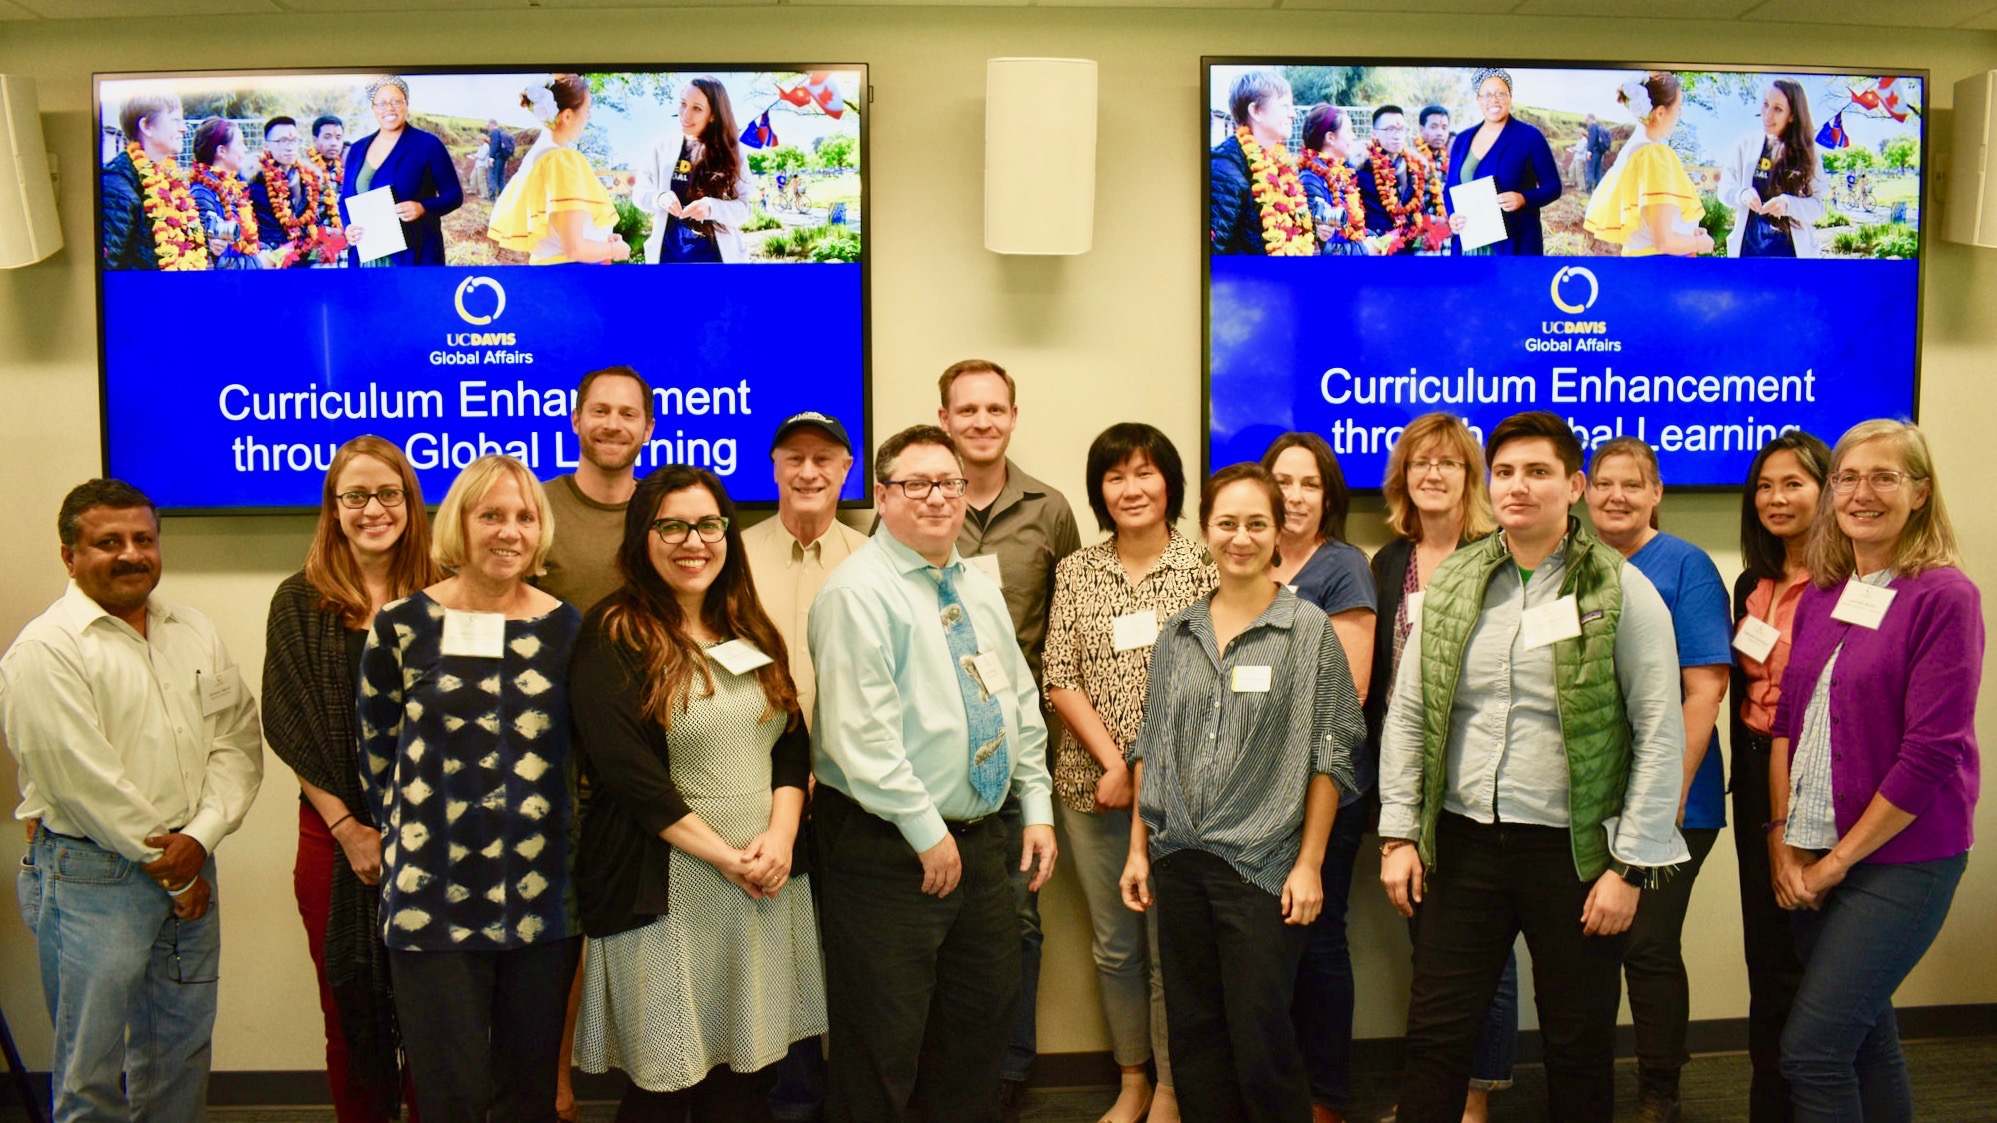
{"type": "Point", "coordinates": [1023, 1048]}
{"type": "Point", "coordinates": [1322, 1008]}
{"type": "Point", "coordinates": [1841, 1047]}
{"type": "Point", "coordinates": [130, 988]}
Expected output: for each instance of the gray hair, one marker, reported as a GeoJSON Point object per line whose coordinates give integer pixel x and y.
{"type": "Point", "coordinates": [1478, 77]}
{"type": "Point", "coordinates": [375, 86]}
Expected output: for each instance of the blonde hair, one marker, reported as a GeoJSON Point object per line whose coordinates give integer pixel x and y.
{"type": "Point", "coordinates": [1448, 430]}
{"type": "Point", "coordinates": [447, 543]}
{"type": "Point", "coordinates": [1926, 542]}
{"type": "Point", "coordinates": [1637, 449]}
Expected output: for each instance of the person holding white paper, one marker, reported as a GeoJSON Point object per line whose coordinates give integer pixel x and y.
{"type": "Point", "coordinates": [703, 964]}
{"type": "Point", "coordinates": [1874, 770]}
{"type": "Point", "coordinates": [1777, 507]}
{"type": "Point", "coordinates": [1516, 156]}
{"type": "Point", "coordinates": [1531, 770]}
{"type": "Point", "coordinates": [465, 766]}
{"type": "Point", "coordinates": [1250, 722]}
{"type": "Point", "coordinates": [1109, 601]}
{"type": "Point", "coordinates": [554, 209]}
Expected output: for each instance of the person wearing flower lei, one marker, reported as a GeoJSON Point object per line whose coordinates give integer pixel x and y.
{"type": "Point", "coordinates": [1515, 155]}
{"type": "Point", "coordinates": [1329, 184]}
{"type": "Point", "coordinates": [289, 199]}
{"type": "Point", "coordinates": [1394, 216]}
{"type": "Point", "coordinates": [1256, 202]}
{"type": "Point", "coordinates": [148, 215]}
{"type": "Point", "coordinates": [227, 216]}
{"type": "Point", "coordinates": [1431, 147]}
{"type": "Point", "coordinates": [329, 143]}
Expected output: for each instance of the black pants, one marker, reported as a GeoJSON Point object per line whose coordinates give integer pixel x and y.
{"type": "Point", "coordinates": [1660, 997]}
{"type": "Point", "coordinates": [483, 1029]}
{"type": "Point", "coordinates": [921, 992]}
{"type": "Point", "coordinates": [1489, 884]}
{"type": "Point", "coordinates": [722, 1096]}
{"type": "Point", "coordinates": [1230, 969]}
{"type": "Point", "coordinates": [1774, 970]}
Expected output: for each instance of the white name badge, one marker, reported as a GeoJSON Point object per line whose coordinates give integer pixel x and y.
{"type": "Point", "coordinates": [1757, 638]}
{"type": "Point", "coordinates": [479, 635]}
{"type": "Point", "coordinates": [1251, 679]}
{"type": "Point", "coordinates": [988, 564]}
{"type": "Point", "coordinates": [1550, 623]}
{"type": "Point", "coordinates": [220, 690]}
{"type": "Point", "coordinates": [991, 671]}
{"type": "Point", "coordinates": [1862, 604]}
{"type": "Point", "coordinates": [739, 656]}
{"type": "Point", "coordinates": [1133, 630]}
{"type": "Point", "coordinates": [1414, 603]}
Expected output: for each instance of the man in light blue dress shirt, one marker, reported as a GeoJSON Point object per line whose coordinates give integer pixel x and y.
{"type": "Point", "coordinates": [927, 718]}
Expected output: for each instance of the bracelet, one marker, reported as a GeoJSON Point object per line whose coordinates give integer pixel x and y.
{"type": "Point", "coordinates": [1389, 845]}
{"type": "Point", "coordinates": [335, 823]}
{"type": "Point", "coordinates": [1772, 824]}
{"type": "Point", "coordinates": [182, 891]}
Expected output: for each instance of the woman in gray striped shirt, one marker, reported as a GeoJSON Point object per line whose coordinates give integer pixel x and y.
{"type": "Point", "coordinates": [1250, 721]}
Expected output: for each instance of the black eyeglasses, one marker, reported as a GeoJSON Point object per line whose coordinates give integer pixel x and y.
{"type": "Point", "coordinates": [675, 531]}
{"type": "Point", "coordinates": [357, 500]}
{"type": "Point", "coordinates": [919, 488]}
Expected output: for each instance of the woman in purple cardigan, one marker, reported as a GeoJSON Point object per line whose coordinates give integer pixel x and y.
{"type": "Point", "coordinates": [1873, 772]}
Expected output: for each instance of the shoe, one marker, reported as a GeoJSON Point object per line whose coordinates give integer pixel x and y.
{"type": "Point", "coordinates": [1011, 1097]}
{"type": "Point", "coordinates": [1657, 1105]}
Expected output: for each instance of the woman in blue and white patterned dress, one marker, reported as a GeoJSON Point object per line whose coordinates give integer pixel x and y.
{"type": "Point", "coordinates": [703, 965]}
{"type": "Point", "coordinates": [464, 727]}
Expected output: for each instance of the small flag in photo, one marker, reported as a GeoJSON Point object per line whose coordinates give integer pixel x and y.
{"type": "Point", "coordinates": [759, 134]}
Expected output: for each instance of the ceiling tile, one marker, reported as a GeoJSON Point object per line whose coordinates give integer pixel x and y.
{"type": "Point", "coordinates": [1639, 9]}
{"type": "Point", "coordinates": [126, 9]}
{"type": "Point", "coordinates": [912, 3]}
{"type": "Point", "coordinates": [402, 5]}
{"type": "Point", "coordinates": [1985, 22]}
{"type": "Point", "coordinates": [1449, 7]}
{"type": "Point", "coordinates": [1230, 4]}
{"type": "Point", "coordinates": [14, 11]}
{"type": "Point", "coordinates": [1870, 13]}
{"type": "Point", "coordinates": [653, 3]}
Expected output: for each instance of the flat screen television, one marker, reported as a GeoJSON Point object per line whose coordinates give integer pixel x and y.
{"type": "Point", "coordinates": [1699, 256]}
{"type": "Point", "coordinates": [447, 289]}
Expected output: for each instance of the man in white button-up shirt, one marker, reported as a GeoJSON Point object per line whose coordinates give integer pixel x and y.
{"type": "Point", "coordinates": [139, 750]}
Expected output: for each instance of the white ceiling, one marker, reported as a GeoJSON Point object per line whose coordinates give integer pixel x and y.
{"type": "Point", "coordinates": [1980, 15]}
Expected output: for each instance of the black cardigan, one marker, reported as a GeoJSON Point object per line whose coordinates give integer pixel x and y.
{"type": "Point", "coordinates": [1390, 569]}
{"type": "Point", "coordinates": [621, 862]}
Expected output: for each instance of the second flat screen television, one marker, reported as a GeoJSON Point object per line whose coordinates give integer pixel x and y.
{"type": "Point", "coordinates": [1701, 257]}
{"type": "Point", "coordinates": [453, 251]}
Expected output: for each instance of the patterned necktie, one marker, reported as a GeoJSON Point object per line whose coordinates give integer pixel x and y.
{"type": "Point", "coordinates": [991, 764]}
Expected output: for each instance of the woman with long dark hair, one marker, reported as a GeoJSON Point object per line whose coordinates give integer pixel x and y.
{"type": "Point", "coordinates": [1776, 510]}
{"type": "Point", "coordinates": [1774, 179]}
{"type": "Point", "coordinates": [372, 546]}
{"type": "Point", "coordinates": [695, 185]}
{"type": "Point", "coordinates": [703, 965]}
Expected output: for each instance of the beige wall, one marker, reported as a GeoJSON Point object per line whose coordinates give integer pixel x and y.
{"type": "Point", "coordinates": [1112, 335]}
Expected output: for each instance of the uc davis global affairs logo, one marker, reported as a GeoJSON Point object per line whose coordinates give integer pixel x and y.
{"type": "Point", "coordinates": [1574, 290]}
{"type": "Point", "coordinates": [470, 285]}
{"type": "Point", "coordinates": [1560, 288]}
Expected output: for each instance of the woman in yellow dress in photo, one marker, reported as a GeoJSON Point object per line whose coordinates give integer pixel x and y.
{"type": "Point", "coordinates": [1647, 204]}
{"type": "Point", "coordinates": [554, 210]}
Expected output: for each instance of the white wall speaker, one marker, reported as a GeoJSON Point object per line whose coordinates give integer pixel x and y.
{"type": "Point", "coordinates": [29, 230]}
{"type": "Point", "coordinates": [1040, 155]}
{"type": "Point", "coordinates": [1972, 189]}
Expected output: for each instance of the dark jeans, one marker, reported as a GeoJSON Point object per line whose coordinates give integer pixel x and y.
{"type": "Point", "coordinates": [1594, 181]}
{"type": "Point", "coordinates": [1841, 1048]}
{"type": "Point", "coordinates": [797, 1092]}
{"type": "Point", "coordinates": [1230, 966]}
{"type": "Point", "coordinates": [1491, 882]}
{"type": "Point", "coordinates": [1774, 970]}
{"type": "Point", "coordinates": [1019, 1053]}
{"type": "Point", "coordinates": [921, 992]}
{"type": "Point", "coordinates": [1498, 1041]}
{"type": "Point", "coordinates": [1322, 1008]}
{"type": "Point", "coordinates": [1660, 999]}
{"type": "Point", "coordinates": [483, 1029]}
{"type": "Point", "coordinates": [722, 1096]}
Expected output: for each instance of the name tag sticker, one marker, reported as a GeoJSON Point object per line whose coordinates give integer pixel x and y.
{"type": "Point", "coordinates": [988, 564]}
{"type": "Point", "coordinates": [478, 635]}
{"type": "Point", "coordinates": [1757, 638]}
{"type": "Point", "coordinates": [1133, 630]}
{"type": "Point", "coordinates": [991, 671]}
{"type": "Point", "coordinates": [220, 690]}
{"type": "Point", "coordinates": [1550, 623]}
{"type": "Point", "coordinates": [739, 657]}
{"type": "Point", "coordinates": [1862, 604]}
{"type": "Point", "coordinates": [1251, 679]}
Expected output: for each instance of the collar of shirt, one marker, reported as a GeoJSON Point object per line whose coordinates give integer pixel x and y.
{"type": "Point", "coordinates": [1018, 488]}
{"type": "Point", "coordinates": [906, 560]}
{"type": "Point", "coordinates": [1198, 620]}
{"type": "Point", "coordinates": [84, 611]}
{"type": "Point", "coordinates": [1555, 561]}
{"type": "Point", "coordinates": [798, 550]}
{"type": "Point", "coordinates": [1181, 552]}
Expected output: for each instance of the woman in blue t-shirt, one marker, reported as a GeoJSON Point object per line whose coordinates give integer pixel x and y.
{"type": "Point", "coordinates": [1624, 490]}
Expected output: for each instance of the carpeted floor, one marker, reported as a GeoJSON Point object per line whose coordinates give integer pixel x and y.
{"type": "Point", "coordinates": [1951, 1085]}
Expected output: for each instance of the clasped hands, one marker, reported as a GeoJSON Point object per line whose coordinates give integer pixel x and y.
{"type": "Point", "coordinates": [1802, 879]}
{"type": "Point", "coordinates": [761, 868]}
{"type": "Point", "coordinates": [178, 871]}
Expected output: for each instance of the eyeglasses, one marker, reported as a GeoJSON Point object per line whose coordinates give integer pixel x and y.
{"type": "Point", "coordinates": [1881, 482]}
{"type": "Point", "coordinates": [672, 532]}
{"type": "Point", "coordinates": [1230, 527]}
{"type": "Point", "coordinates": [1501, 95]}
{"type": "Point", "coordinates": [358, 500]}
{"type": "Point", "coordinates": [1420, 468]}
{"type": "Point", "coordinates": [1394, 130]}
{"type": "Point", "coordinates": [396, 103]}
{"type": "Point", "coordinates": [919, 488]}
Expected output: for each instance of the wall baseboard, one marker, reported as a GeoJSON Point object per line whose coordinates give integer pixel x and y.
{"type": "Point", "coordinates": [306, 1087]}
